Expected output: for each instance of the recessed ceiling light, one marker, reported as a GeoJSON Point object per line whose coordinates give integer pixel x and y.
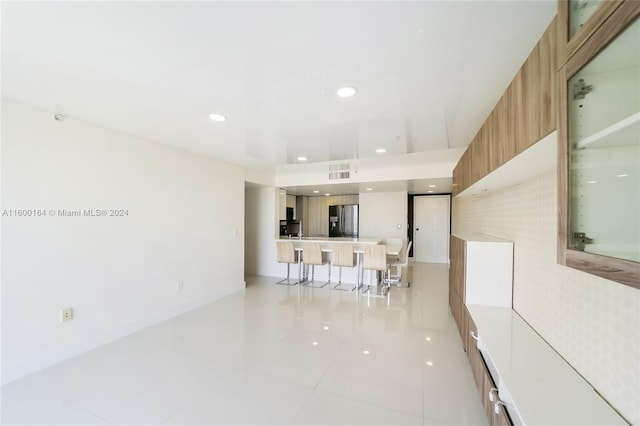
{"type": "Point", "coordinates": [369, 189]}
{"type": "Point", "coordinates": [592, 181]}
{"type": "Point", "coordinates": [381, 150]}
{"type": "Point", "coordinates": [429, 192]}
{"type": "Point", "coordinates": [327, 194]}
{"type": "Point", "coordinates": [326, 327]}
{"type": "Point", "coordinates": [624, 175]}
{"type": "Point", "coordinates": [428, 339]}
{"type": "Point", "coordinates": [432, 186]}
{"type": "Point", "coordinates": [366, 352]}
{"type": "Point", "coordinates": [347, 91]}
{"type": "Point", "coordinates": [217, 117]}
{"type": "Point", "coordinates": [301, 158]}
{"type": "Point", "coordinates": [316, 192]}
{"type": "Point", "coordinates": [315, 343]}
{"type": "Point", "coordinates": [429, 363]}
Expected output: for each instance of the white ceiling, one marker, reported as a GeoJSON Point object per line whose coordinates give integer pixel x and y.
{"type": "Point", "coordinates": [428, 73]}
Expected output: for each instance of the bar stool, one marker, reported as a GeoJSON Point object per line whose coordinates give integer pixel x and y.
{"type": "Point", "coordinates": [343, 256]}
{"type": "Point", "coordinates": [375, 259]}
{"type": "Point", "coordinates": [312, 255]}
{"type": "Point", "coordinates": [288, 254]}
{"type": "Point", "coordinates": [402, 262]}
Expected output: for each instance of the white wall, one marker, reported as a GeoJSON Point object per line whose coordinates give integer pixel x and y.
{"type": "Point", "coordinates": [592, 322]}
{"type": "Point", "coordinates": [185, 222]}
{"type": "Point", "coordinates": [381, 212]}
{"type": "Point", "coordinates": [261, 230]}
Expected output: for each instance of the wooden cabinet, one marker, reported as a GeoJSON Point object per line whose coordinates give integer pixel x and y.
{"type": "Point", "coordinates": [291, 204]}
{"type": "Point", "coordinates": [456, 285]}
{"type": "Point", "coordinates": [302, 212]}
{"type": "Point", "coordinates": [477, 368]}
{"type": "Point", "coordinates": [480, 272]}
{"type": "Point", "coordinates": [579, 21]}
{"type": "Point", "coordinates": [479, 156]}
{"type": "Point", "coordinates": [502, 418]}
{"type": "Point", "coordinates": [524, 114]}
{"type": "Point", "coordinates": [533, 92]}
{"type": "Point", "coordinates": [548, 87]}
{"type": "Point", "coordinates": [455, 181]}
{"type": "Point", "coordinates": [467, 169]}
{"type": "Point", "coordinates": [456, 272]}
{"type": "Point", "coordinates": [282, 204]}
{"type": "Point", "coordinates": [484, 382]}
{"type": "Point", "coordinates": [501, 131]}
{"type": "Point", "coordinates": [503, 147]}
{"type": "Point", "coordinates": [462, 173]}
{"type": "Point", "coordinates": [527, 103]}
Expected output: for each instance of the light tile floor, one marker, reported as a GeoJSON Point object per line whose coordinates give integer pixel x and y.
{"type": "Point", "coordinates": [271, 355]}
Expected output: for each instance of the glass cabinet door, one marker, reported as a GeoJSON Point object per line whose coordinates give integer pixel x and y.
{"type": "Point", "coordinates": [579, 13]}
{"type": "Point", "coordinates": [604, 136]}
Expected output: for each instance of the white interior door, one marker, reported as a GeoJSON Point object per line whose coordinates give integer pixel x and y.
{"type": "Point", "coordinates": [431, 229]}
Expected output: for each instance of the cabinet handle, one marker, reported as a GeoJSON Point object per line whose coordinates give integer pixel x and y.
{"type": "Point", "coordinates": [474, 335]}
{"type": "Point", "coordinates": [492, 396]}
{"type": "Point", "coordinates": [496, 406]}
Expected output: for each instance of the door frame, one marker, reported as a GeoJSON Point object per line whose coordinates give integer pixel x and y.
{"type": "Point", "coordinates": [410, 204]}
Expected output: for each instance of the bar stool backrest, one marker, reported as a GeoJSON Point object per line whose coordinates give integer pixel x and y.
{"type": "Point", "coordinates": [404, 254]}
{"type": "Point", "coordinates": [342, 255]}
{"type": "Point", "coordinates": [312, 254]}
{"type": "Point", "coordinates": [375, 257]}
{"type": "Point", "coordinates": [286, 252]}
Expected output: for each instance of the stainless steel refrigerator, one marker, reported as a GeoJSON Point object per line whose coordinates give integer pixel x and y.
{"type": "Point", "coordinates": [343, 220]}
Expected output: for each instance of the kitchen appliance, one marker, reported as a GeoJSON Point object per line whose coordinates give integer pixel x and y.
{"type": "Point", "coordinates": [289, 227]}
{"type": "Point", "coordinates": [343, 220]}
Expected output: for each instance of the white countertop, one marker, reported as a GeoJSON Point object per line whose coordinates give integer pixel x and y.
{"type": "Point", "coordinates": [535, 381]}
{"type": "Point", "coordinates": [322, 240]}
{"type": "Point", "coordinates": [480, 238]}
{"type": "Point", "coordinates": [327, 242]}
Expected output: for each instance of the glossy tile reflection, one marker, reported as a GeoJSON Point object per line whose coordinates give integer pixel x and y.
{"type": "Point", "coordinates": [271, 355]}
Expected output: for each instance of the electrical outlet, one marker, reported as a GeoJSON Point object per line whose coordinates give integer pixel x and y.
{"type": "Point", "coordinates": [66, 314]}
{"type": "Point", "coordinates": [179, 285]}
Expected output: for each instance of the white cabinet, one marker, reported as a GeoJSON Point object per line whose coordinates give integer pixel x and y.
{"type": "Point", "coordinates": [282, 205]}
{"type": "Point", "coordinates": [291, 203]}
{"type": "Point", "coordinates": [488, 270]}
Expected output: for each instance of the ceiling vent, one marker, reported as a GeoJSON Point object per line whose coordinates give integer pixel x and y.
{"type": "Point", "coordinates": [339, 171]}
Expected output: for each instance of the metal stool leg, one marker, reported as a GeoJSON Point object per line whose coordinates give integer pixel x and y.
{"type": "Point", "coordinates": [287, 281]}
{"type": "Point", "coordinates": [343, 287]}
